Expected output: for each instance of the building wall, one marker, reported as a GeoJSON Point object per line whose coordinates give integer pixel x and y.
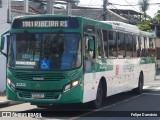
{"type": "Point", "coordinates": [4, 26]}
{"type": "Point", "coordinates": [3, 19]}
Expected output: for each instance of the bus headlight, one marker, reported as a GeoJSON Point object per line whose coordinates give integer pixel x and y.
{"type": "Point", "coordinates": [11, 84]}
{"type": "Point", "coordinates": [75, 83]}
{"type": "Point", "coordinates": [71, 85]}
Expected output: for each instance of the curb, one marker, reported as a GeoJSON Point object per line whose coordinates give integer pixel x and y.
{"type": "Point", "coordinates": [4, 103]}
{"type": "Point", "coordinates": [8, 103]}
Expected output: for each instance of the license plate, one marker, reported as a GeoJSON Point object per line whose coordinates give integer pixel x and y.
{"type": "Point", "coordinates": [37, 95]}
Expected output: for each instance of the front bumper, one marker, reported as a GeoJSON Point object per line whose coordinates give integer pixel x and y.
{"type": "Point", "coordinates": [75, 95]}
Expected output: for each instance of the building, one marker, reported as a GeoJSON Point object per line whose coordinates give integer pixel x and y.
{"type": "Point", "coordinates": [132, 15]}
{"type": "Point", "coordinates": [93, 13]}
{"type": "Point", "coordinates": [61, 7]}
{"type": "Point", "coordinates": [4, 26]}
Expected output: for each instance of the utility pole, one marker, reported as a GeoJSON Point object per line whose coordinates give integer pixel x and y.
{"type": "Point", "coordinates": [26, 6]}
{"type": "Point", "coordinates": [9, 12]}
{"type": "Point", "coordinates": [50, 9]}
{"type": "Point", "coordinates": [105, 3]}
{"type": "Point", "coordinates": [69, 8]}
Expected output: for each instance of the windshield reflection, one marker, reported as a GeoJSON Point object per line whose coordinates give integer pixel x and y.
{"type": "Point", "coordinates": [45, 51]}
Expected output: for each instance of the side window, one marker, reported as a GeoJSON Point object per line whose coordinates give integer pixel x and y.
{"type": "Point", "coordinates": [135, 46]}
{"type": "Point", "coordinates": [112, 44]}
{"type": "Point", "coordinates": [99, 42]}
{"type": "Point", "coordinates": [89, 47]}
{"type": "Point", "coordinates": [89, 38]}
{"type": "Point", "coordinates": [147, 47]}
{"type": "Point", "coordinates": [144, 47]}
{"type": "Point", "coordinates": [105, 39]}
{"type": "Point", "coordinates": [129, 45]}
{"type": "Point", "coordinates": [140, 39]}
{"type": "Point", "coordinates": [121, 45]}
{"type": "Point", "coordinates": [151, 49]}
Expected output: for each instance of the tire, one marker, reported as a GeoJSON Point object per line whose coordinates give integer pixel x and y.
{"type": "Point", "coordinates": [44, 106]}
{"type": "Point", "coordinates": [97, 103]}
{"type": "Point", "coordinates": [139, 89]}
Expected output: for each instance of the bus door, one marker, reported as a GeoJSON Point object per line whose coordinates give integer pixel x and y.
{"type": "Point", "coordinates": [89, 69]}
{"type": "Point", "coordinates": [89, 53]}
{"type": "Point", "coordinates": [3, 59]}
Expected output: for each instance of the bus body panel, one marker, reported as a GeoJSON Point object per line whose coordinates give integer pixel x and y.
{"type": "Point", "coordinates": [122, 78]}
{"type": "Point", "coordinates": [120, 74]}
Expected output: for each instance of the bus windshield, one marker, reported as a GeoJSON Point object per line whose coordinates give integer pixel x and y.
{"type": "Point", "coordinates": [57, 51]}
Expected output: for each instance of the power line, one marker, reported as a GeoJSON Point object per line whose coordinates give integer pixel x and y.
{"type": "Point", "coordinates": [94, 2]}
{"type": "Point", "coordinates": [120, 4]}
{"type": "Point", "coordinates": [134, 4]}
{"type": "Point", "coordinates": [131, 6]}
{"type": "Point", "coordinates": [90, 2]}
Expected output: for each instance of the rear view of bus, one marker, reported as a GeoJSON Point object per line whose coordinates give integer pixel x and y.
{"type": "Point", "coordinates": [44, 60]}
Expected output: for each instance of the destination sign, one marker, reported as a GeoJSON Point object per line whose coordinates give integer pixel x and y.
{"type": "Point", "coordinates": [45, 22]}
{"type": "Point", "coordinates": [41, 24]}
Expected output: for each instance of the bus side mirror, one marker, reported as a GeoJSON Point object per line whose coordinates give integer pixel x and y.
{"type": "Point", "coordinates": [2, 43]}
{"type": "Point", "coordinates": [91, 44]}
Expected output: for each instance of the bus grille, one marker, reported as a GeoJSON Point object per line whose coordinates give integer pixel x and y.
{"type": "Point", "coordinates": [28, 95]}
{"type": "Point", "coordinates": [39, 76]}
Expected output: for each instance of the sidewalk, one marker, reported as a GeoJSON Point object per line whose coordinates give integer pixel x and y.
{"type": "Point", "coordinates": [4, 102]}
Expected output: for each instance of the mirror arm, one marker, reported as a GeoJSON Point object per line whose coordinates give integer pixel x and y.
{"type": "Point", "coordinates": [4, 54]}
{"type": "Point", "coordinates": [5, 33]}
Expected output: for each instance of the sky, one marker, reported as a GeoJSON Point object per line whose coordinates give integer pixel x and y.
{"type": "Point", "coordinates": [98, 3]}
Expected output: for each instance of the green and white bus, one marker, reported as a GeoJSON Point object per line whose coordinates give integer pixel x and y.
{"type": "Point", "coordinates": [56, 59]}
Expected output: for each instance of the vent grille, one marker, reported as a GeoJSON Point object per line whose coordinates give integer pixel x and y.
{"type": "Point", "coordinates": [39, 76]}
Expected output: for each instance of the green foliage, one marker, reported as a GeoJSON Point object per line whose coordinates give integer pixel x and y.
{"type": "Point", "coordinates": [145, 25]}
{"type": "Point", "coordinates": [157, 17]}
{"type": "Point", "coordinates": [144, 5]}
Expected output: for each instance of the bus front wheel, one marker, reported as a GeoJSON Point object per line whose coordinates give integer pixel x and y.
{"type": "Point", "coordinates": [97, 103]}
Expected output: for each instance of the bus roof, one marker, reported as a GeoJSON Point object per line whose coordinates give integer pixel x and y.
{"type": "Point", "coordinates": [86, 21]}
{"type": "Point", "coordinates": [120, 26]}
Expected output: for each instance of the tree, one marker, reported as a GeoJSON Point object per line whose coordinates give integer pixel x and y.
{"type": "Point", "coordinates": [144, 5]}
{"type": "Point", "coordinates": [145, 25]}
{"type": "Point", "coordinates": [157, 17]}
